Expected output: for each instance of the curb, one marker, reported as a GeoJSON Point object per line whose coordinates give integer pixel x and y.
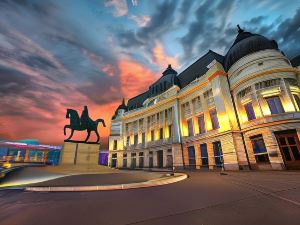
{"type": "Point", "coordinates": [151, 183]}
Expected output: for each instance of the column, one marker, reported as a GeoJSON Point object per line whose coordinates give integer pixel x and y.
{"type": "Point", "coordinates": [273, 150]}
{"type": "Point", "coordinates": [177, 156]}
{"type": "Point", "coordinates": [208, 124]}
{"type": "Point", "coordinates": [176, 119]}
{"type": "Point", "coordinates": [255, 103]}
{"type": "Point", "coordinates": [18, 155]}
{"type": "Point", "coordinates": [288, 101]}
{"type": "Point", "coordinates": [165, 156]}
{"type": "Point", "coordinates": [198, 156]}
{"type": "Point", "coordinates": [45, 155]}
{"type": "Point", "coordinates": [185, 156]}
{"type": "Point", "coordinates": [211, 157]}
{"type": "Point", "coordinates": [146, 159]}
{"type": "Point", "coordinates": [155, 164]}
{"type": "Point", "coordinates": [218, 85]}
{"type": "Point", "coordinates": [26, 158]}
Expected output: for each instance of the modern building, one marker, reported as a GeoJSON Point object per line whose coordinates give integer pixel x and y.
{"type": "Point", "coordinates": [29, 151]}
{"type": "Point", "coordinates": [240, 111]}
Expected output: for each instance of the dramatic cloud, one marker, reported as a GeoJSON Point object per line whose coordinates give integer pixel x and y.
{"type": "Point", "coordinates": [134, 78]}
{"type": "Point", "coordinates": [120, 6]}
{"type": "Point", "coordinates": [161, 59]}
{"type": "Point", "coordinates": [55, 55]}
{"type": "Point", "coordinates": [141, 21]}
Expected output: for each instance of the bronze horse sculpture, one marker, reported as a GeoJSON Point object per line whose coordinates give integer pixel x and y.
{"type": "Point", "coordinates": [82, 123]}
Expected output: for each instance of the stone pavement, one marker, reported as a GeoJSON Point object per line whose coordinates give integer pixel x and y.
{"type": "Point", "coordinates": [30, 175]}
{"type": "Point", "coordinates": [206, 198]}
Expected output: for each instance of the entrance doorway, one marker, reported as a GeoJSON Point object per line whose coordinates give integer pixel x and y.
{"type": "Point", "coordinates": [192, 157]}
{"type": "Point", "coordinates": [114, 160]}
{"type": "Point", "coordinates": [160, 159]}
{"type": "Point", "coordinates": [289, 145]}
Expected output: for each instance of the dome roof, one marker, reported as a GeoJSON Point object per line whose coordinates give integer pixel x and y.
{"type": "Point", "coordinates": [246, 43]}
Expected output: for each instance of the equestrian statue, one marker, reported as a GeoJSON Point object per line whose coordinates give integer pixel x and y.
{"type": "Point", "coordinates": [82, 123]}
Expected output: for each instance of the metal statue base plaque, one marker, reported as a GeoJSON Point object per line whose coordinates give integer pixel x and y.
{"type": "Point", "coordinates": [80, 153]}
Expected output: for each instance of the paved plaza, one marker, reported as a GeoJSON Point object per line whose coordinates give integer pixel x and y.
{"type": "Point", "coordinates": [206, 198]}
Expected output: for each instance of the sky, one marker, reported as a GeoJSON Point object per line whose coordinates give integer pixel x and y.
{"type": "Point", "coordinates": [59, 54]}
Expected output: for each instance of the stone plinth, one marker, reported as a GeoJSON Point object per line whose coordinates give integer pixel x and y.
{"type": "Point", "coordinates": [80, 154]}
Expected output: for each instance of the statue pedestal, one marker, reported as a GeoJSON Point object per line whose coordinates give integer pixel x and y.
{"type": "Point", "coordinates": [84, 154]}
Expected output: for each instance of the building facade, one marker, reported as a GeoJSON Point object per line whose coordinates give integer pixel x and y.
{"type": "Point", "coordinates": [240, 111]}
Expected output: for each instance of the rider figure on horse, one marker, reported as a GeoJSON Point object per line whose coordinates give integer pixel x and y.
{"type": "Point", "coordinates": [85, 119]}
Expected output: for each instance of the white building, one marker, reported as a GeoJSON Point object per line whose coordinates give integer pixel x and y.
{"type": "Point", "coordinates": [240, 110]}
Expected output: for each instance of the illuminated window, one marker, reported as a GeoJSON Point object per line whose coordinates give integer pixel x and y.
{"type": "Point", "coordinates": [259, 149]}
{"type": "Point", "coordinates": [135, 139]}
{"type": "Point", "coordinates": [170, 131]}
{"type": "Point", "coordinates": [214, 119]}
{"type": "Point", "coordinates": [190, 127]}
{"type": "Point", "coordinates": [201, 124]}
{"type": "Point", "coordinates": [143, 138]}
{"type": "Point", "coordinates": [250, 111]}
{"type": "Point", "coordinates": [297, 99]}
{"type": "Point", "coordinates": [267, 83]}
{"type": "Point", "coordinates": [115, 144]}
{"type": "Point", "coordinates": [275, 105]}
{"type": "Point", "coordinates": [204, 154]}
{"type": "Point", "coordinates": [161, 133]}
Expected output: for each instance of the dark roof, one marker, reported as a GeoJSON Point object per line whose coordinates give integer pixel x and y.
{"type": "Point", "coordinates": [194, 71]}
{"type": "Point", "coordinates": [137, 101]}
{"type": "Point", "coordinates": [295, 61]}
{"type": "Point", "coordinates": [122, 106]}
{"type": "Point", "coordinates": [246, 43]}
{"type": "Point", "coordinates": [165, 82]}
{"type": "Point", "coordinates": [169, 70]}
{"type": "Point", "coordinates": [198, 68]}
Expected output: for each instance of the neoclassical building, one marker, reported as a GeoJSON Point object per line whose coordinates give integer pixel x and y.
{"type": "Point", "coordinates": [240, 111]}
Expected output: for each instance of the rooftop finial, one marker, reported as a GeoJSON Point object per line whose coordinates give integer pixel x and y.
{"type": "Point", "coordinates": [240, 30]}
{"type": "Point", "coordinates": [169, 66]}
{"type": "Point", "coordinates": [123, 101]}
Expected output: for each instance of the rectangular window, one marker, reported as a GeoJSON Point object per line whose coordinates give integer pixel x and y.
{"type": "Point", "coordinates": [143, 138]}
{"type": "Point", "coordinates": [218, 153]}
{"type": "Point", "coordinates": [133, 160]}
{"type": "Point", "coordinates": [214, 119]}
{"type": "Point", "coordinates": [115, 144]}
{"type": "Point", "coordinates": [204, 154]}
{"type": "Point", "coordinates": [161, 133]}
{"type": "Point", "coordinates": [128, 141]}
{"type": "Point", "coordinates": [114, 160]}
{"type": "Point", "coordinates": [152, 135]}
{"type": "Point", "coordinates": [124, 160]}
{"type": "Point", "coordinates": [136, 138]}
{"type": "Point", "coordinates": [275, 105]}
{"type": "Point", "coordinates": [190, 127]}
{"type": "Point", "coordinates": [250, 111]}
{"type": "Point", "coordinates": [297, 99]}
{"type": "Point", "coordinates": [170, 131]}
{"type": "Point", "coordinates": [141, 159]}
{"type": "Point", "coordinates": [150, 159]}
{"type": "Point", "coordinates": [201, 124]}
{"type": "Point", "coordinates": [259, 149]}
